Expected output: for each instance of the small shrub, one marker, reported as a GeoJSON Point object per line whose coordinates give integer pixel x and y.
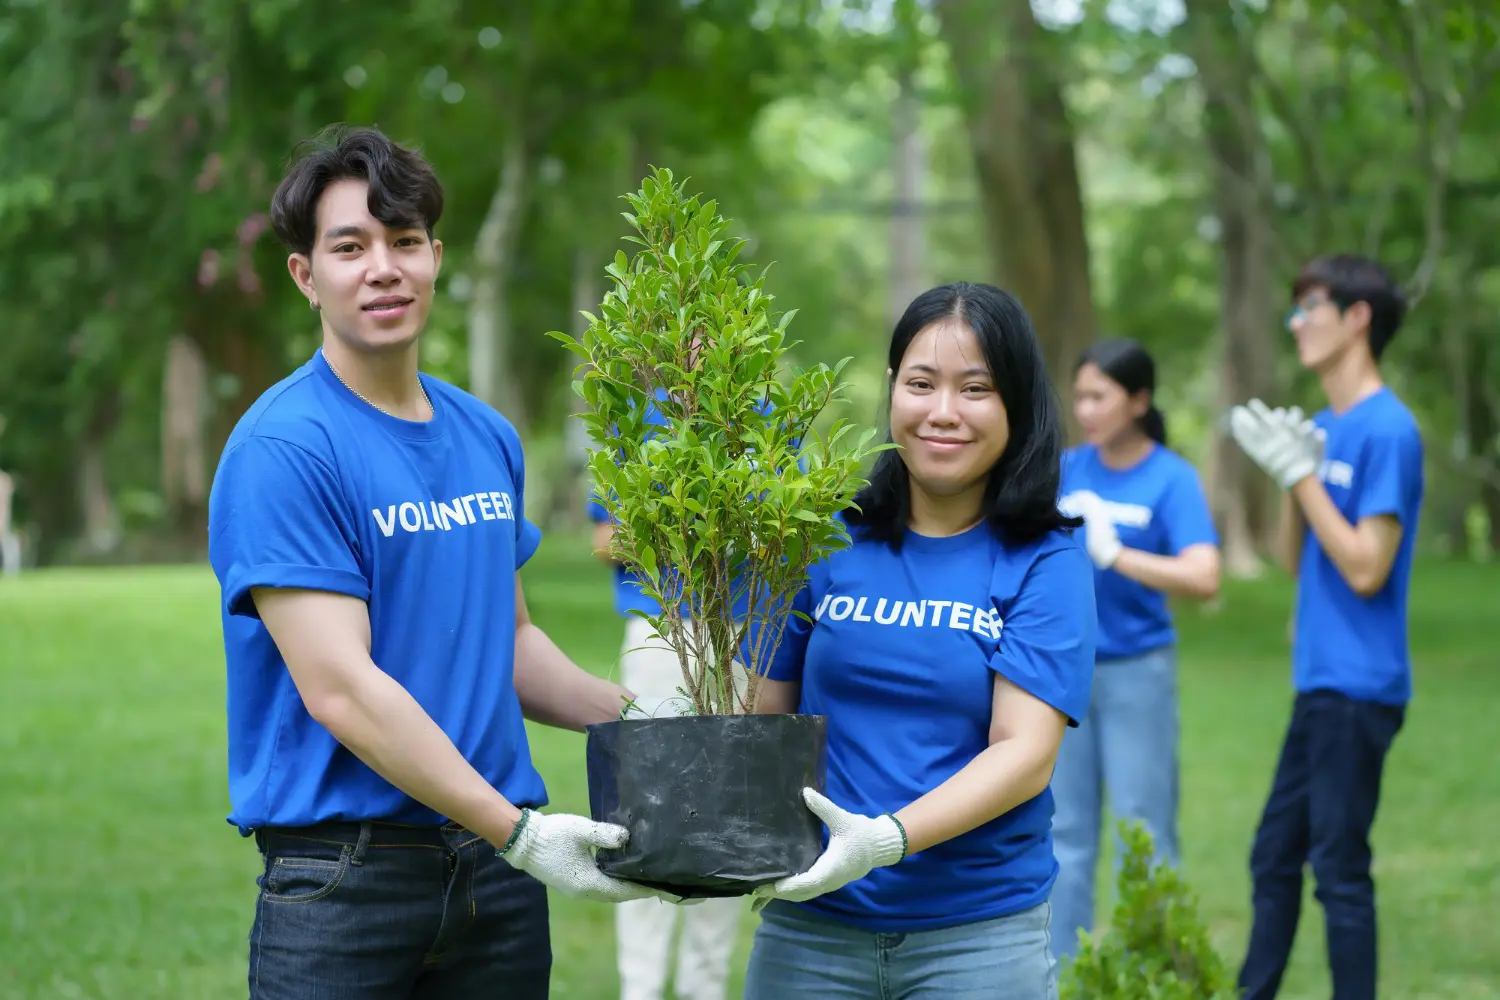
{"type": "Point", "coordinates": [1156, 947]}
{"type": "Point", "coordinates": [723, 501]}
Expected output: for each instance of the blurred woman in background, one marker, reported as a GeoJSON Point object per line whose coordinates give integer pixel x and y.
{"type": "Point", "coordinates": [1150, 535]}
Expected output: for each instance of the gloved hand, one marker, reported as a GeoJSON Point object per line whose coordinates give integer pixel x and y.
{"type": "Point", "coordinates": [1304, 425]}
{"type": "Point", "coordinates": [1286, 446]}
{"type": "Point", "coordinates": [558, 851]}
{"type": "Point", "coordinates": [856, 844]}
{"type": "Point", "coordinates": [1101, 539]}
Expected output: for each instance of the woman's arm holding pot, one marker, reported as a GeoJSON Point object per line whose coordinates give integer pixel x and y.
{"type": "Point", "coordinates": [1024, 736]}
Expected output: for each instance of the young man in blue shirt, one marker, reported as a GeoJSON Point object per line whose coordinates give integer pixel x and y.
{"type": "Point", "coordinates": [367, 526]}
{"type": "Point", "coordinates": [1354, 484]}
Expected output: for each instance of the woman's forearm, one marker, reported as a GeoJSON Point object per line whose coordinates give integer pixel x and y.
{"type": "Point", "coordinates": [1192, 573]}
{"type": "Point", "coordinates": [1005, 775]}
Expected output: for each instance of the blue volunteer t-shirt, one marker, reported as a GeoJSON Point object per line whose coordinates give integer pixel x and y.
{"type": "Point", "coordinates": [1157, 506]}
{"type": "Point", "coordinates": [1355, 645]}
{"type": "Point", "coordinates": [902, 660]}
{"type": "Point", "coordinates": [423, 521]}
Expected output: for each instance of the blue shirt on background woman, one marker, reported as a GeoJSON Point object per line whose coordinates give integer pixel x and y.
{"type": "Point", "coordinates": [1150, 535]}
{"type": "Point", "coordinates": [951, 645]}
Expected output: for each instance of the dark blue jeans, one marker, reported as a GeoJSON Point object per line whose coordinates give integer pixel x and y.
{"type": "Point", "coordinates": [1320, 810]}
{"type": "Point", "coordinates": [384, 912]}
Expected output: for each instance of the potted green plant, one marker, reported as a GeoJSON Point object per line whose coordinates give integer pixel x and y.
{"type": "Point", "coordinates": [722, 492]}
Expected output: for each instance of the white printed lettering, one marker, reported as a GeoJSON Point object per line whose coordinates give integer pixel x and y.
{"type": "Point", "coordinates": [1126, 515]}
{"type": "Point", "coordinates": [1336, 473]}
{"type": "Point", "coordinates": [961, 615]}
{"type": "Point", "coordinates": [502, 506]}
{"type": "Point", "coordinates": [443, 515]}
{"type": "Point", "coordinates": [388, 523]}
{"type": "Point", "coordinates": [455, 513]}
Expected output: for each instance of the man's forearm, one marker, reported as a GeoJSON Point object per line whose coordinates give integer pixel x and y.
{"type": "Point", "coordinates": [1353, 549]}
{"type": "Point", "coordinates": [1291, 528]}
{"type": "Point", "coordinates": [382, 724]}
{"type": "Point", "coordinates": [555, 691]}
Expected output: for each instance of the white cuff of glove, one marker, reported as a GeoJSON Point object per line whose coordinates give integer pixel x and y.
{"type": "Point", "coordinates": [558, 851]}
{"type": "Point", "coordinates": [856, 845]}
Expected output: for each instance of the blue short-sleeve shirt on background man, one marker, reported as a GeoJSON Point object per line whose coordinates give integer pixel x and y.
{"type": "Point", "coordinates": [1157, 506]}
{"type": "Point", "coordinates": [423, 521]}
{"type": "Point", "coordinates": [901, 657]}
{"type": "Point", "coordinates": [1355, 645]}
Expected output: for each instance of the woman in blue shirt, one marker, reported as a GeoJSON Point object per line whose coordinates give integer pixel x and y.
{"type": "Point", "coordinates": [1150, 535]}
{"type": "Point", "coordinates": [950, 645]}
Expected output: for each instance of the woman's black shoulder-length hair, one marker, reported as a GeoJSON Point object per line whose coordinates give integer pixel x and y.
{"type": "Point", "coordinates": [1020, 499]}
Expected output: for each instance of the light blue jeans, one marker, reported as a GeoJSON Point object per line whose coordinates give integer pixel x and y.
{"type": "Point", "coordinates": [1128, 745]}
{"type": "Point", "coordinates": [798, 954]}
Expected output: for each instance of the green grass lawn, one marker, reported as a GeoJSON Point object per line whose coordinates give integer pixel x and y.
{"type": "Point", "coordinates": [120, 878]}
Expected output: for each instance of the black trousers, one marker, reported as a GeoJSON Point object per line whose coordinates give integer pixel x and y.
{"type": "Point", "coordinates": [1320, 811]}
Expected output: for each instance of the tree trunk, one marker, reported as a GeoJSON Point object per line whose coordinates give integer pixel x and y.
{"type": "Point", "coordinates": [1240, 494]}
{"type": "Point", "coordinates": [101, 527]}
{"type": "Point", "coordinates": [908, 161]}
{"type": "Point", "coordinates": [491, 373]}
{"type": "Point", "coordinates": [1026, 168]}
{"type": "Point", "coordinates": [1482, 417]}
{"type": "Point", "coordinates": [568, 488]}
{"type": "Point", "coordinates": [184, 467]}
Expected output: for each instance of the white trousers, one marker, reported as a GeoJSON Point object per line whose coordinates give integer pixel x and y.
{"type": "Point", "coordinates": [10, 554]}
{"type": "Point", "coordinates": [644, 928]}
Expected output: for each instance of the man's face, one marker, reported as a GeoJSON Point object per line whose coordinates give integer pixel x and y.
{"type": "Point", "coordinates": [1324, 334]}
{"type": "Point", "coordinates": [373, 285]}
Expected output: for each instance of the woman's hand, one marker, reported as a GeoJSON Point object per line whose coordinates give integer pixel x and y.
{"type": "Point", "coordinates": [1101, 539]}
{"type": "Point", "coordinates": [856, 845]}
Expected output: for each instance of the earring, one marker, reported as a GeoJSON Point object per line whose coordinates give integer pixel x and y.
{"type": "Point", "coordinates": [312, 304]}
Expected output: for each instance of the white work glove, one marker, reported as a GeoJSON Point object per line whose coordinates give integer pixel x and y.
{"type": "Point", "coordinates": [856, 844]}
{"type": "Point", "coordinates": [1100, 537]}
{"type": "Point", "coordinates": [558, 851]}
{"type": "Point", "coordinates": [1284, 444]}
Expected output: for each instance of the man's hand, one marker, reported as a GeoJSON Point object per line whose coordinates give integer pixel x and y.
{"type": "Point", "coordinates": [856, 845]}
{"type": "Point", "coordinates": [558, 851]}
{"type": "Point", "coordinates": [1101, 539]}
{"type": "Point", "coordinates": [1287, 446]}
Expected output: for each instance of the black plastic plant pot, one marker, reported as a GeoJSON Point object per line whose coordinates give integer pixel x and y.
{"type": "Point", "coordinates": [713, 803]}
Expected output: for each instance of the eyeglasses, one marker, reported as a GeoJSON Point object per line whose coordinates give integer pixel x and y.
{"type": "Point", "coordinates": [1303, 308]}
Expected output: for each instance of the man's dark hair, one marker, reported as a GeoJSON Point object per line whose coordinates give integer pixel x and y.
{"type": "Point", "coordinates": [404, 191]}
{"type": "Point", "coordinates": [1349, 278]}
{"type": "Point", "coordinates": [1020, 497]}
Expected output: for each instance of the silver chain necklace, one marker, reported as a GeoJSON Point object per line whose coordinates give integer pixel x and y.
{"type": "Point", "coordinates": [420, 387]}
